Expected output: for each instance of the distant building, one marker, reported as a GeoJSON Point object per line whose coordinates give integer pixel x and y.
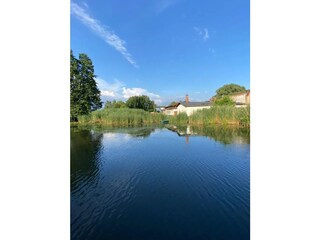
{"type": "Point", "coordinates": [171, 110]}
{"type": "Point", "coordinates": [186, 107]}
{"type": "Point", "coordinates": [241, 99]}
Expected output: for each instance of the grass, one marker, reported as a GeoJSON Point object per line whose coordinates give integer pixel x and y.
{"type": "Point", "coordinates": [225, 115]}
{"type": "Point", "coordinates": [217, 115]}
{"type": "Point", "coordinates": [121, 117]}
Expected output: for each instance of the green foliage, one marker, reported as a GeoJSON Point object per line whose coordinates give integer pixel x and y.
{"type": "Point", "coordinates": [226, 115]}
{"type": "Point", "coordinates": [121, 117]}
{"type": "Point", "coordinates": [224, 101]}
{"type": "Point", "coordinates": [224, 134]}
{"type": "Point", "coordinates": [173, 103]}
{"type": "Point", "coordinates": [229, 89]}
{"type": "Point", "coordinates": [84, 93]}
{"type": "Point", "coordinates": [115, 104]}
{"type": "Point", "coordinates": [217, 115]}
{"type": "Point", "coordinates": [180, 119]}
{"type": "Point", "coordinates": [141, 102]}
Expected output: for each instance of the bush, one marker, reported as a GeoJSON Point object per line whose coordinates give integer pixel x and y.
{"type": "Point", "coordinates": [224, 101]}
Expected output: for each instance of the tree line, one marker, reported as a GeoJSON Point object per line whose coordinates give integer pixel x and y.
{"type": "Point", "coordinates": [85, 95]}
{"type": "Point", "coordinates": [138, 102]}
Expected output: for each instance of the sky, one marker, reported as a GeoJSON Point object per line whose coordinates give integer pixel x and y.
{"type": "Point", "coordinates": [164, 49]}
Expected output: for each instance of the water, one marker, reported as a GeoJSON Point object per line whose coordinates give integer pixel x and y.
{"type": "Point", "coordinates": [156, 183]}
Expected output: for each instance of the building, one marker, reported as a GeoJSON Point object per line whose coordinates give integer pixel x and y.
{"type": "Point", "coordinates": [186, 107]}
{"type": "Point", "coordinates": [241, 99]}
{"type": "Point", "coordinates": [171, 110]}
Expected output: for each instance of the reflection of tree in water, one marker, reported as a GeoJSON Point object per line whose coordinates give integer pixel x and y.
{"type": "Point", "coordinates": [225, 135]}
{"type": "Point", "coordinates": [85, 149]}
{"type": "Point", "coordinates": [132, 131]}
{"type": "Point", "coordinates": [140, 132]}
{"type": "Point", "coordinates": [86, 146]}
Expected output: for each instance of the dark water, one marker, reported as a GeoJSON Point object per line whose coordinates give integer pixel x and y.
{"type": "Point", "coordinates": [156, 183]}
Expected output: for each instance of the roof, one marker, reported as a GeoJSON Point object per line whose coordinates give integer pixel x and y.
{"type": "Point", "coordinates": [172, 106]}
{"type": "Point", "coordinates": [196, 104]}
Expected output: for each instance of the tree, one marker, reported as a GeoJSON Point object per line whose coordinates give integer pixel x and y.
{"type": "Point", "coordinates": [141, 102]}
{"type": "Point", "coordinates": [173, 103]}
{"type": "Point", "coordinates": [224, 101]}
{"type": "Point", "coordinates": [229, 89]}
{"type": "Point", "coordinates": [84, 93]}
{"type": "Point", "coordinates": [115, 104]}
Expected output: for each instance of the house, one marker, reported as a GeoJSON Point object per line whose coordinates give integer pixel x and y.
{"type": "Point", "coordinates": [171, 110]}
{"type": "Point", "coordinates": [241, 99]}
{"type": "Point", "coordinates": [186, 107]}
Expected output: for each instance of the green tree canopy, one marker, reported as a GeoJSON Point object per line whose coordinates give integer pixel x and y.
{"type": "Point", "coordinates": [141, 102]}
{"type": "Point", "coordinates": [173, 103]}
{"type": "Point", "coordinates": [229, 89]}
{"type": "Point", "coordinates": [224, 101]}
{"type": "Point", "coordinates": [84, 93]}
{"type": "Point", "coordinates": [115, 104]}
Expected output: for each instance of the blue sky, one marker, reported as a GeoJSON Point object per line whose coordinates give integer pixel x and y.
{"type": "Point", "coordinates": [164, 48]}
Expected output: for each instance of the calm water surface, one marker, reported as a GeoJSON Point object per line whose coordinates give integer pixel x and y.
{"type": "Point", "coordinates": [158, 183]}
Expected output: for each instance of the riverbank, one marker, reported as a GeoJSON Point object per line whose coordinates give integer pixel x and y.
{"type": "Point", "coordinates": [218, 115]}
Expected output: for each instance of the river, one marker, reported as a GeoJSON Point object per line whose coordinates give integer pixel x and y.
{"type": "Point", "coordinates": [160, 183]}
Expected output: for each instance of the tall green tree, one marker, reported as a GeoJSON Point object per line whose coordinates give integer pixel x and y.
{"type": "Point", "coordinates": [84, 93]}
{"type": "Point", "coordinates": [141, 102]}
{"type": "Point", "coordinates": [229, 89]}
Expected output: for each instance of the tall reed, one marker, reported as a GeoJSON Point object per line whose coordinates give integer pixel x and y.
{"type": "Point", "coordinates": [225, 115]}
{"type": "Point", "coordinates": [121, 117]}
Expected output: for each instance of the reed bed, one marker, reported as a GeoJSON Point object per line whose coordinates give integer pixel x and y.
{"type": "Point", "coordinates": [180, 119]}
{"type": "Point", "coordinates": [121, 117]}
{"type": "Point", "coordinates": [217, 115]}
{"type": "Point", "coordinates": [225, 115]}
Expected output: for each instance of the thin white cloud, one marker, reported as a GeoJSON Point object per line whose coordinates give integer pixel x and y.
{"type": "Point", "coordinates": [211, 50]}
{"type": "Point", "coordinates": [110, 89]}
{"type": "Point", "coordinates": [104, 32]}
{"type": "Point", "coordinates": [107, 93]}
{"type": "Point", "coordinates": [204, 34]}
{"type": "Point", "coordinates": [162, 5]}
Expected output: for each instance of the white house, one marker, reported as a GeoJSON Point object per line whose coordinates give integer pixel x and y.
{"type": "Point", "coordinates": [171, 110]}
{"type": "Point", "coordinates": [241, 99]}
{"type": "Point", "coordinates": [186, 107]}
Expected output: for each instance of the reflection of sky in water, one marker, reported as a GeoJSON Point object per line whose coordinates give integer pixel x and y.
{"type": "Point", "coordinates": [116, 138]}
{"type": "Point", "coordinates": [152, 177]}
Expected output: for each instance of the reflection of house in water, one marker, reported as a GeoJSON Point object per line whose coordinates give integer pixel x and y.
{"type": "Point", "coordinates": [182, 132]}
{"type": "Point", "coordinates": [239, 140]}
{"type": "Point", "coordinates": [222, 135]}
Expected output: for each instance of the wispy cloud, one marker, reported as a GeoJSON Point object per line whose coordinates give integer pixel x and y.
{"type": "Point", "coordinates": [102, 31]}
{"type": "Point", "coordinates": [211, 50]}
{"type": "Point", "coordinates": [162, 5]}
{"type": "Point", "coordinates": [108, 93]}
{"type": "Point", "coordinates": [110, 89]}
{"type": "Point", "coordinates": [204, 33]}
